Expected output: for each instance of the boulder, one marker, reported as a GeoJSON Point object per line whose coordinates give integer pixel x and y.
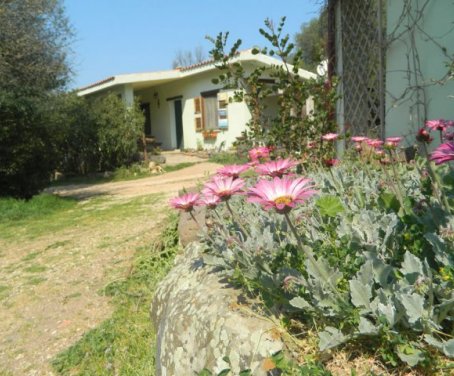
{"type": "Point", "coordinates": [188, 230]}
{"type": "Point", "coordinates": [199, 319]}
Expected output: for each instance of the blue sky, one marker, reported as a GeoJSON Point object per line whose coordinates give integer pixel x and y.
{"type": "Point", "coordinates": [127, 36]}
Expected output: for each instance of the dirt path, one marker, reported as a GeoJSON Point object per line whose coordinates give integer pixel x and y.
{"type": "Point", "coordinates": [53, 269]}
{"type": "Point", "coordinates": [170, 182]}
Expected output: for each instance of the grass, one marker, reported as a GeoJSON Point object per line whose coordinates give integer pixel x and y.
{"type": "Point", "coordinates": [36, 269]}
{"type": "Point", "coordinates": [121, 344]}
{"type": "Point", "coordinates": [133, 172]}
{"type": "Point", "coordinates": [45, 214]}
{"type": "Point", "coordinates": [37, 207]}
{"type": "Point", "coordinates": [226, 158]}
{"type": "Point", "coordinates": [178, 166]}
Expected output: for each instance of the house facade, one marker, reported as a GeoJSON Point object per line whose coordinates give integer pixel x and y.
{"type": "Point", "coordinates": [392, 59]}
{"type": "Point", "coordinates": [183, 108]}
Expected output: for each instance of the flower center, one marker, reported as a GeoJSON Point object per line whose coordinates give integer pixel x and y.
{"type": "Point", "coordinates": [283, 200]}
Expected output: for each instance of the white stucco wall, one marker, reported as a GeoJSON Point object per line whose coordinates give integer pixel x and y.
{"type": "Point", "coordinates": [403, 117]}
{"type": "Point", "coordinates": [163, 119]}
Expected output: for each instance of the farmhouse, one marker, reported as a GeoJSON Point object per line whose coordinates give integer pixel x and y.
{"type": "Point", "coordinates": [183, 108]}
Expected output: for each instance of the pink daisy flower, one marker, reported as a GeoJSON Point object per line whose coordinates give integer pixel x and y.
{"type": "Point", "coordinates": [448, 136]}
{"type": "Point", "coordinates": [330, 137]}
{"type": "Point", "coordinates": [375, 142]}
{"type": "Point", "coordinates": [331, 162]}
{"type": "Point", "coordinates": [359, 138]}
{"type": "Point", "coordinates": [424, 136]}
{"type": "Point", "coordinates": [392, 142]}
{"type": "Point", "coordinates": [444, 153]}
{"type": "Point", "coordinates": [232, 170]}
{"type": "Point", "coordinates": [209, 201]}
{"type": "Point", "coordinates": [185, 202]}
{"type": "Point", "coordinates": [436, 124]}
{"type": "Point", "coordinates": [311, 144]}
{"type": "Point", "coordinates": [223, 187]}
{"type": "Point", "coordinates": [261, 152]}
{"type": "Point", "coordinates": [278, 167]}
{"type": "Point", "coordinates": [281, 194]}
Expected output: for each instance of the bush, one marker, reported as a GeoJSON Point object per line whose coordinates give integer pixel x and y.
{"type": "Point", "coordinates": [29, 151]}
{"type": "Point", "coordinates": [96, 135]}
{"type": "Point", "coordinates": [119, 129]}
{"type": "Point", "coordinates": [368, 261]}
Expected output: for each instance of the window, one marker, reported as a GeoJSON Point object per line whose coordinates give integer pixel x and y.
{"type": "Point", "coordinates": [210, 111]}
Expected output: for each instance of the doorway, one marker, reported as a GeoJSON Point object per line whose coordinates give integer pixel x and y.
{"type": "Point", "coordinates": [178, 122]}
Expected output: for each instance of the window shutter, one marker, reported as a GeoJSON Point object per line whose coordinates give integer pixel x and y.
{"type": "Point", "coordinates": [198, 114]}
{"type": "Point", "coordinates": [223, 100]}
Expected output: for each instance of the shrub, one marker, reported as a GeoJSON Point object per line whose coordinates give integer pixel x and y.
{"type": "Point", "coordinates": [369, 260]}
{"type": "Point", "coordinates": [119, 129]}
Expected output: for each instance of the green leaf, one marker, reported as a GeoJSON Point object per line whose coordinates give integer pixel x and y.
{"type": "Point", "coordinates": [360, 294]}
{"type": "Point", "coordinates": [439, 247]}
{"type": "Point", "coordinates": [411, 267]}
{"type": "Point", "coordinates": [205, 372]}
{"type": "Point", "coordinates": [389, 201]}
{"type": "Point", "coordinates": [389, 312]}
{"type": "Point", "coordinates": [224, 372]}
{"type": "Point", "coordinates": [410, 355]}
{"type": "Point", "coordinates": [329, 206]}
{"type": "Point", "coordinates": [448, 348]}
{"type": "Point", "coordinates": [331, 337]}
{"type": "Point", "coordinates": [367, 327]}
{"type": "Point", "coordinates": [246, 372]}
{"type": "Point", "coordinates": [414, 305]}
{"type": "Point", "coordinates": [300, 303]}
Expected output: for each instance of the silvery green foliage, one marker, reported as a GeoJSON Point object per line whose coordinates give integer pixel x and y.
{"type": "Point", "coordinates": [389, 294]}
{"type": "Point", "coordinates": [395, 298]}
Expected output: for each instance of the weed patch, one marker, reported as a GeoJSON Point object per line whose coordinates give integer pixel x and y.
{"type": "Point", "coordinates": [228, 158]}
{"type": "Point", "coordinates": [178, 166]}
{"type": "Point", "coordinates": [35, 280]}
{"type": "Point", "coordinates": [37, 207]}
{"type": "Point", "coordinates": [36, 269]}
{"type": "Point", "coordinates": [121, 344]}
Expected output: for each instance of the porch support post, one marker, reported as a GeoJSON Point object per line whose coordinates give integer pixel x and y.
{"type": "Point", "coordinates": [128, 95]}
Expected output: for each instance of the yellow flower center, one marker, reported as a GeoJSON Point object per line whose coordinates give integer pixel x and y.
{"type": "Point", "coordinates": [283, 200]}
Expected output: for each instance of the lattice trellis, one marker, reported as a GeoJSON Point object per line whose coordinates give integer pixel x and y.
{"type": "Point", "coordinates": [363, 65]}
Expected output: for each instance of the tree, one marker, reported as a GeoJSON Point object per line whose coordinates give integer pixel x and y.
{"type": "Point", "coordinates": [311, 40]}
{"type": "Point", "coordinates": [185, 58]}
{"type": "Point", "coordinates": [34, 37]}
{"type": "Point", "coordinates": [119, 130]}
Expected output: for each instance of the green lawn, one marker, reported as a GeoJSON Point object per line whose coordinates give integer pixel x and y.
{"type": "Point", "coordinates": [47, 213]}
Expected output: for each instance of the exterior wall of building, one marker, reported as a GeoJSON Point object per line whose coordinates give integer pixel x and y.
{"type": "Point", "coordinates": [406, 106]}
{"type": "Point", "coordinates": [163, 118]}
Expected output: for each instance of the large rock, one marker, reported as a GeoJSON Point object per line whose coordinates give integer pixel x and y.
{"type": "Point", "coordinates": [188, 229]}
{"type": "Point", "coordinates": [199, 321]}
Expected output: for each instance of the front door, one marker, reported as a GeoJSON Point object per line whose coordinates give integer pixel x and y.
{"type": "Point", "coordinates": [178, 122]}
{"type": "Point", "coordinates": [145, 107]}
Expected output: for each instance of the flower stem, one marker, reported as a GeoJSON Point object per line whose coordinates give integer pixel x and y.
{"type": "Point", "coordinates": [240, 225]}
{"type": "Point", "coordinates": [200, 226]}
{"type": "Point", "coordinates": [435, 181]}
{"type": "Point", "coordinates": [311, 258]}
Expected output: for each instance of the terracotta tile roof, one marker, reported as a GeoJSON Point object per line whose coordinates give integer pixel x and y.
{"type": "Point", "coordinates": [97, 83]}
{"type": "Point", "coordinates": [197, 65]}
